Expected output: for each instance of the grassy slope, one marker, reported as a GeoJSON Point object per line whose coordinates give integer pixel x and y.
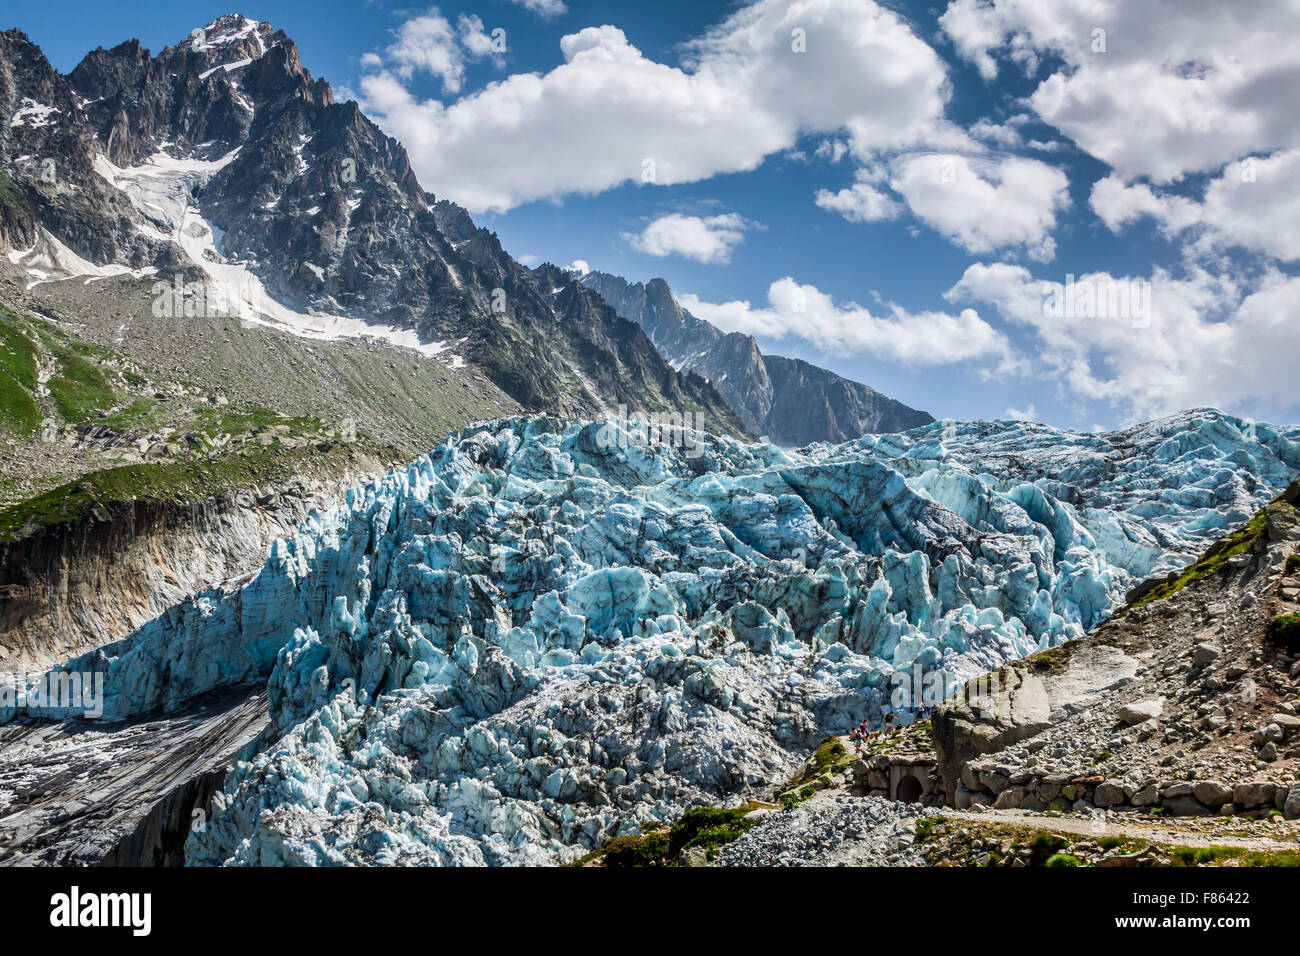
{"type": "Point", "coordinates": [182, 481]}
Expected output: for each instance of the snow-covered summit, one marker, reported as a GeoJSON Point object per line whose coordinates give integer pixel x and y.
{"type": "Point", "coordinates": [227, 29]}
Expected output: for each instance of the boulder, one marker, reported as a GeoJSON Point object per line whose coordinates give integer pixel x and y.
{"type": "Point", "coordinates": [693, 856]}
{"type": "Point", "coordinates": [1140, 711]}
{"type": "Point", "coordinates": [1206, 654]}
{"type": "Point", "coordinates": [1212, 793]}
{"type": "Point", "coordinates": [1184, 806]}
{"type": "Point", "coordinates": [1291, 807]}
{"type": "Point", "coordinates": [1151, 856]}
{"type": "Point", "coordinates": [1266, 733]}
{"type": "Point", "coordinates": [993, 781]}
{"type": "Point", "coordinates": [1290, 724]}
{"type": "Point", "coordinates": [1109, 795]}
{"type": "Point", "coordinates": [1009, 798]}
{"type": "Point", "coordinates": [1148, 796]}
{"type": "Point", "coordinates": [1257, 793]}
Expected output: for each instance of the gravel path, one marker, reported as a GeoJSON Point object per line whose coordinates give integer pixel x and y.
{"type": "Point", "coordinates": [831, 829]}
{"type": "Point", "coordinates": [1180, 831]}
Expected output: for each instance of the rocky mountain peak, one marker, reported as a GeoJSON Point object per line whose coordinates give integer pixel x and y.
{"type": "Point", "coordinates": [790, 401]}
{"type": "Point", "coordinates": [225, 157]}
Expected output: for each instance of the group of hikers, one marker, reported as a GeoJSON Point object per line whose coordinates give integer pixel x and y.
{"type": "Point", "coordinates": [862, 733]}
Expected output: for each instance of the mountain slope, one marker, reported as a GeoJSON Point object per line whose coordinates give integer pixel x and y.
{"type": "Point", "coordinates": [223, 162]}
{"type": "Point", "coordinates": [790, 401]}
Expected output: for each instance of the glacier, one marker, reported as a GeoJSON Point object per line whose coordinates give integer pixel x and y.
{"type": "Point", "coordinates": [534, 639]}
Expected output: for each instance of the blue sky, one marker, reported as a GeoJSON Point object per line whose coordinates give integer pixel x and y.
{"type": "Point", "coordinates": [893, 201]}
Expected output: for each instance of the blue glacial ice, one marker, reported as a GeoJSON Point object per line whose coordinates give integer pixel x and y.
{"type": "Point", "coordinates": [530, 641]}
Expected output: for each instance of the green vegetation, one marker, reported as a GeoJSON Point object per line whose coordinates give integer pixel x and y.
{"type": "Point", "coordinates": [829, 760]}
{"type": "Point", "coordinates": [80, 389]}
{"type": "Point", "coordinates": [176, 481]}
{"type": "Point", "coordinates": [926, 826]}
{"type": "Point", "coordinates": [19, 412]}
{"type": "Point", "coordinates": [1233, 856]}
{"type": "Point", "coordinates": [650, 849]}
{"type": "Point", "coordinates": [1044, 846]}
{"type": "Point", "coordinates": [1111, 842]}
{"type": "Point", "coordinates": [1292, 563]}
{"type": "Point", "coordinates": [1054, 658]}
{"type": "Point", "coordinates": [828, 753]}
{"type": "Point", "coordinates": [141, 413]}
{"type": "Point", "coordinates": [705, 828]}
{"type": "Point", "coordinates": [1063, 859]}
{"type": "Point", "coordinates": [234, 422]}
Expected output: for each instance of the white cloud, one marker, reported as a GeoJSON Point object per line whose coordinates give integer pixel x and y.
{"type": "Point", "coordinates": [861, 202]}
{"type": "Point", "coordinates": [985, 205]}
{"type": "Point", "coordinates": [608, 114]}
{"type": "Point", "coordinates": [543, 8]}
{"type": "Point", "coordinates": [708, 239]}
{"type": "Point", "coordinates": [1206, 341]}
{"type": "Point", "coordinates": [426, 43]}
{"type": "Point", "coordinates": [803, 311]}
{"type": "Point", "coordinates": [1029, 414]}
{"type": "Point", "coordinates": [579, 266]}
{"type": "Point", "coordinates": [831, 150]}
{"type": "Point", "coordinates": [1254, 205]}
{"type": "Point", "coordinates": [1170, 86]}
{"type": "Point", "coordinates": [475, 37]}
{"type": "Point", "coordinates": [429, 44]}
{"type": "Point", "coordinates": [1005, 135]}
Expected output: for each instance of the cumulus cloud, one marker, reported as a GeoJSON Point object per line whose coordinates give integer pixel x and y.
{"type": "Point", "coordinates": [1253, 205]}
{"type": "Point", "coordinates": [608, 114]}
{"type": "Point", "coordinates": [985, 205]}
{"type": "Point", "coordinates": [803, 311]}
{"type": "Point", "coordinates": [1206, 339]}
{"type": "Point", "coordinates": [1156, 89]}
{"type": "Point", "coordinates": [861, 202]}
{"type": "Point", "coordinates": [429, 44]}
{"type": "Point", "coordinates": [708, 239]}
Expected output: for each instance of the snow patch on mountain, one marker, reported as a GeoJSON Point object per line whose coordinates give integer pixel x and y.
{"type": "Point", "coordinates": [161, 190]}
{"type": "Point", "coordinates": [34, 114]}
{"type": "Point", "coordinates": [49, 260]}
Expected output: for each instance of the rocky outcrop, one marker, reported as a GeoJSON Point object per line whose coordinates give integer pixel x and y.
{"type": "Point", "coordinates": [47, 169]}
{"type": "Point", "coordinates": [71, 586]}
